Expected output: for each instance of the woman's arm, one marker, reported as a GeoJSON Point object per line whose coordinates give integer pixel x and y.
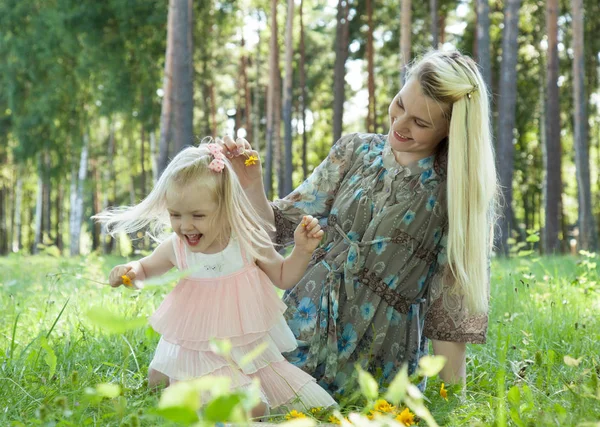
{"type": "Point", "coordinates": [455, 370]}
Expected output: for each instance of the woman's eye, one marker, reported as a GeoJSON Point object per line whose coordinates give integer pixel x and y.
{"type": "Point", "coordinates": [198, 216]}
{"type": "Point", "coordinates": [401, 106]}
{"type": "Point", "coordinates": [175, 215]}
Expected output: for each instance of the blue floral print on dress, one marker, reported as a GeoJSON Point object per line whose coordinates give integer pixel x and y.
{"type": "Point", "coordinates": [409, 216]}
{"type": "Point", "coordinates": [347, 341]}
{"type": "Point", "coordinates": [367, 310]}
{"type": "Point", "coordinates": [306, 314]}
{"type": "Point", "coordinates": [430, 203]}
{"type": "Point", "coordinates": [380, 246]}
{"type": "Point", "coordinates": [313, 201]}
{"type": "Point", "coordinates": [393, 316]}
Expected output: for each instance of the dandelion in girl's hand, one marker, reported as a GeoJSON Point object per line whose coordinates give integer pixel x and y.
{"type": "Point", "coordinates": [443, 392]}
{"type": "Point", "coordinates": [406, 417]}
{"type": "Point", "coordinates": [251, 160]}
{"type": "Point", "coordinates": [126, 280]}
{"type": "Point", "coordinates": [294, 414]}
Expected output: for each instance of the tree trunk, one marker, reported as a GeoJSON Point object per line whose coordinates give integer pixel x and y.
{"type": "Point", "coordinates": [39, 204]}
{"type": "Point", "coordinates": [153, 157]}
{"type": "Point", "coordinates": [483, 41]}
{"type": "Point", "coordinates": [77, 199]}
{"type": "Point", "coordinates": [166, 114]}
{"type": "Point", "coordinates": [405, 37]}
{"type": "Point", "coordinates": [46, 202]}
{"type": "Point", "coordinates": [245, 91]}
{"type": "Point", "coordinates": [143, 160]}
{"type": "Point", "coordinates": [110, 196]}
{"type": "Point", "coordinates": [433, 13]}
{"type": "Point", "coordinates": [372, 110]}
{"type": "Point", "coordinates": [3, 218]}
{"type": "Point", "coordinates": [256, 108]}
{"type": "Point", "coordinates": [17, 232]}
{"type": "Point", "coordinates": [60, 195]}
{"type": "Point", "coordinates": [303, 99]}
{"type": "Point", "coordinates": [553, 181]}
{"type": "Point", "coordinates": [587, 229]}
{"type": "Point", "coordinates": [273, 102]}
{"type": "Point", "coordinates": [96, 202]}
{"type": "Point", "coordinates": [339, 78]}
{"type": "Point", "coordinates": [506, 122]}
{"type": "Point", "coordinates": [287, 99]}
{"type": "Point", "coordinates": [183, 90]}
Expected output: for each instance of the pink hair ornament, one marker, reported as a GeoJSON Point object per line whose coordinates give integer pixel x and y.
{"type": "Point", "coordinates": [218, 163]}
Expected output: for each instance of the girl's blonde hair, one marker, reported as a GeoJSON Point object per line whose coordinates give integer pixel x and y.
{"type": "Point", "coordinates": [454, 79]}
{"type": "Point", "coordinates": [190, 166]}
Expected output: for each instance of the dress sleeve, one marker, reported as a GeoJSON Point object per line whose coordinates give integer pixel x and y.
{"type": "Point", "coordinates": [447, 318]}
{"type": "Point", "coordinates": [316, 194]}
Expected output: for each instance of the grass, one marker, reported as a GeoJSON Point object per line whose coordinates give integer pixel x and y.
{"type": "Point", "coordinates": [59, 367]}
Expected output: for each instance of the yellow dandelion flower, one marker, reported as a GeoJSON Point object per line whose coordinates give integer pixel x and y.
{"type": "Point", "coordinates": [252, 160]}
{"type": "Point", "coordinates": [383, 405]}
{"type": "Point", "coordinates": [443, 392]}
{"type": "Point", "coordinates": [406, 417]}
{"type": "Point", "coordinates": [316, 410]}
{"type": "Point", "coordinates": [334, 420]}
{"type": "Point", "coordinates": [126, 280]}
{"type": "Point", "coordinates": [295, 414]}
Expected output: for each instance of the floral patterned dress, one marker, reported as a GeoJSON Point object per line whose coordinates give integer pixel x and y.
{"type": "Point", "coordinates": [378, 286]}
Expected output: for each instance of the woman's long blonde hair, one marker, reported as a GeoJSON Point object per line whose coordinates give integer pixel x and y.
{"type": "Point", "coordinates": [190, 166]}
{"type": "Point", "coordinates": [453, 79]}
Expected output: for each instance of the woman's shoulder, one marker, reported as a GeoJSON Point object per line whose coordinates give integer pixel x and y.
{"type": "Point", "coordinates": [360, 148]}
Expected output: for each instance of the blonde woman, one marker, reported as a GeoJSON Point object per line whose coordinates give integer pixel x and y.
{"type": "Point", "coordinates": [228, 292]}
{"type": "Point", "coordinates": [408, 221]}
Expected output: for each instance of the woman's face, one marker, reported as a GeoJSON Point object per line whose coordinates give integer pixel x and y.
{"type": "Point", "coordinates": [417, 124]}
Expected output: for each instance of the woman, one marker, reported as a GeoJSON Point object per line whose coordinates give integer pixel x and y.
{"type": "Point", "coordinates": [408, 219]}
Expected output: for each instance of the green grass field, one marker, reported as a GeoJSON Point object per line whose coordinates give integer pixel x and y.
{"type": "Point", "coordinates": [64, 361]}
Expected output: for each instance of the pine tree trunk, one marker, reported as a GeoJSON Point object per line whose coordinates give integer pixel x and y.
{"type": "Point", "coordinates": [553, 181]}
{"type": "Point", "coordinates": [183, 90]}
{"type": "Point", "coordinates": [166, 114]}
{"type": "Point", "coordinates": [154, 157]}
{"type": "Point", "coordinates": [39, 204]}
{"type": "Point", "coordinates": [483, 41]}
{"type": "Point", "coordinates": [17, 232]}
{"type": "Point", "coordinates": [287, 98]}
{"type": "Point", "coordinates": [273, 112]}
{"type": "Point", "coordinates": [143, 160]}
{"type": "Point", "coordinates": [46, 203]}
{"type": "Point", "coordinates": [96, 202]}
{"type": "Point", "coordinates": [245, 93]}
{"type": "Point", "coordinates": [405, 37]}
{"type": "Point", "coordinates": [587, 228]}
{"type": "Point", "coordinates": [256, 107]}
{"type": "Point", "coordinates": [506, 122]}
{"type": "Point", "coordinates": [303, 99]}
{"type": "Point", "coordinates": [433, 13]}
{"type": "Point", "coordinates": [60, 195]}
{"type": "Point", "coordinates": [109, 195]}
{"type": "Point", "coordinates": [339, 77]}
{"type": "Point", "coordinates": [372, 110]}
{"type": "Point", "coordinates": [77, 199]}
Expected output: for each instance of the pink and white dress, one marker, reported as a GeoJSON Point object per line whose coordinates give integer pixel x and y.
{"type": "Point", "coordinates": [227, 296]}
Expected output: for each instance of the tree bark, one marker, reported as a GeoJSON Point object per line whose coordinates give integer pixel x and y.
{"type": "Point", "coordinates": [183, 90]}
{"type": "Point", "coordinates": [46, 198]}
{"type": "Point", "coordinates": [287, 99]}
{"type": "Point", "coordinates": [17, 233]}
{"type": "Point", "coordinates": [77, 199]}
{"type": "Point", "coordinates": [483, 41]}
{"type": "Point", "coordinates": [553, 181]}
{"type": "Point", "coordinates": [60, 195]}
{"type": "Point", "coordinates": [166, 114]}
{"type": "Point", "coordinates": [433, 13]}
{"type": "Point", "coordinates": [372, 110]}
{"type": "Point", "coordinates": [506, 122]}
{"type": "Point", "coordinates": [303, 100]}
{"type": "Point", "coordinates": [405, 37]}
{"type": "Point", "coordinates": [339, 77]}
{"type": "Point", "coordinates": [587, 228]}
{"type": "Point", "coordinates": [39, 204]}
{"type": "Point", "coordinates": [273, 104]}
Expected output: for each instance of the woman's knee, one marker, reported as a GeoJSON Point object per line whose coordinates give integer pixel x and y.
{"type": "Point", "coordinates": [157, 379]}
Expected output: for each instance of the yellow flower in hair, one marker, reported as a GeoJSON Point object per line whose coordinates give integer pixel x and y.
{"type": "Point", "coordinates": [443, 392]}
{"type": "Point", "coordinates": [126, 280]}
{"type": "Point", "coordinates": [294, 414]}
{"type": "Point", "coordinates": [252, 160]}
{"type": "Point", "coordinates": [406, 417]}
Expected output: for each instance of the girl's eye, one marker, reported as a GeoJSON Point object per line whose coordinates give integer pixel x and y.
{"type": "Point", "coordinates": [419, 124]}
{"type": "Point", "coordinates": [401, 106]}
{"type": "Point", "coordinates": [198, 216]}
{"type": "Point", "coordinates": [175, 215]}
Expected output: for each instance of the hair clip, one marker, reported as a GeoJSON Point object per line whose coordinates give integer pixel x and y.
{"type": "Point", "coordinates": [473, 89]}
{"type": "Point", "coordinates": [218, 163]}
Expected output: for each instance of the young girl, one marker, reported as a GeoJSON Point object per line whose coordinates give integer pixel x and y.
{"type": "Point", "coordinates": [228, 293]}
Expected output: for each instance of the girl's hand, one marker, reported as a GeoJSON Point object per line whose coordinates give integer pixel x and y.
{"type": "Point", "coordinates": [308, 234]}
{"type": "Point", "coordinates": [123, 275]}
{"type": "Point", "coordinates": [245, 161]}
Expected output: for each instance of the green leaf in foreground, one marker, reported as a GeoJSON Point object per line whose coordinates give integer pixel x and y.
{"type": "Point", "coordinates": [112, 322]}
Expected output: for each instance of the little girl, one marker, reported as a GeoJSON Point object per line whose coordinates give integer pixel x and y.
{"type": "Point", "coordinates": [228, 293]}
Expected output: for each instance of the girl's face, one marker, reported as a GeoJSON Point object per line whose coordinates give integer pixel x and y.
{"type": "Point", "coordinates": [417, 124]}
{"type": "Point", "coordinates": [195, 218]}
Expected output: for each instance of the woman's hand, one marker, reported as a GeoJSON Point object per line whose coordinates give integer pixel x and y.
{"type": "Point", "coordinates": [308, 234]}
{"type": "Point", "coordinates": [245, 161]}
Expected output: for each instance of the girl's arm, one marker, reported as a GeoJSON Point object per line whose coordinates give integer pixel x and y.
{"type": "Point", "coordinates": [455, 370]}
{"type": "Point", "coordinates": [287, 272]}
{"type": "Point", "coordinates": [157, 263]}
